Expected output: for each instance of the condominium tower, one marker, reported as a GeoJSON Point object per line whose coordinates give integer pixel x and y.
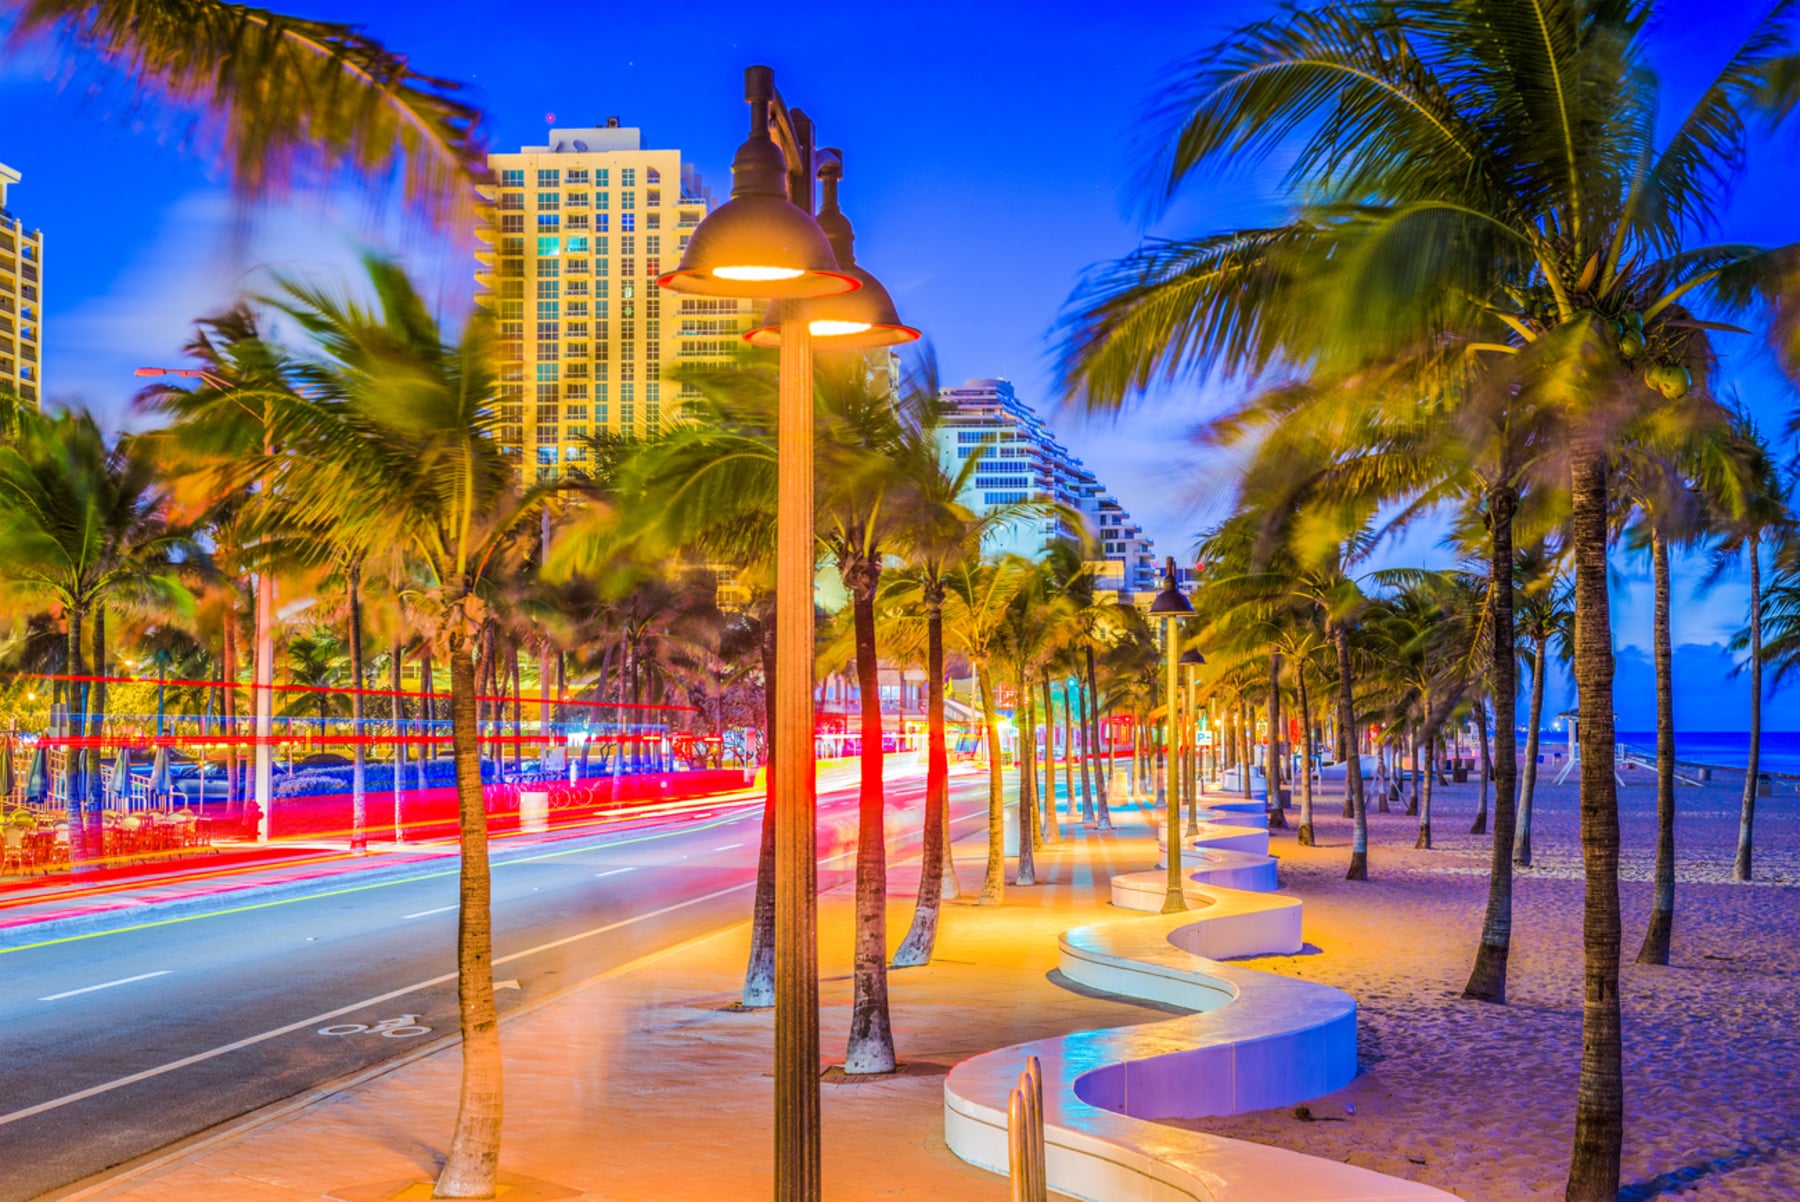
{"type": "Point", "coordinates": [1021, 461]}
{"type": "Point", "coordinates": [576, 234]}
{"type": "Point", "coordinates": [21, 324]}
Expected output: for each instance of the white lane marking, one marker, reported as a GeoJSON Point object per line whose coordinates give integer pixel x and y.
{"type": "Point", "coordinates": [728, 847]}
{"type": "Point", "coordinates": [82, 1095]}
{"type": "Point", "coordinates": [614, 871]}
{"type": "Point", "coordinates": [423, 913]}
{"type": "Point", "coordinates": [250, 1041]}
{"type": "Point", "coordinates": [143, 976]}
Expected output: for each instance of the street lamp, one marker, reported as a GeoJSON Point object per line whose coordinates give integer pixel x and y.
{"type": "Point", "coordinates": [1192, 660]}
{"type": "Point", "coordinates": [763, 244]}
{"type": "Point", "coordinates": [263, 669]}
{"type": "Point", "coordinates": [1171, 607]}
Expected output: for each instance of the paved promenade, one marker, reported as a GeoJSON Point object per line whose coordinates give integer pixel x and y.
{"type": "Point", "coordinates": [642, 1085]}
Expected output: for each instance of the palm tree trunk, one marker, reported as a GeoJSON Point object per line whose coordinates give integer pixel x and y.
{"type": "Point", "coordinates": [1306, 752]}
{"type": "Point", "coordinates": [1090, 767]}
{"type": "Point", "coordinates": [1353, 782]}
{"type": "Point", "coordinates": [993, 884]}
{"type": "Point", "coordinates": [473, 1162]}
{"type": "Point", "coordinates": [1528, 784]}
{"type": "Point", "coordinates": [1481, 811]}
{"type": "Point", "coordinates": [1026, 871]}
{"type": "Point", "coordinates": [759, 973]}
{"type": "Point", "coordinates": [1052, 824]}
{"type": "Point", "coordinates": [395, 658]}
{"type": "Point", "coordinates": [234, 796]}
{"type": "Point", "coordinates": [1245, 750]}
{"type": "Point", "coordinates": [1272, 759]}
{"type": "Point", "coordinates": [93, 795]}
{"type": "Point", "coordinates": [518, 708]}
{"type": "Point", "coordinates": [1102, 768]}
{"type": "Point", "coordinates": [871, 1045]}
{"type": "Point", "coordinates": [916, 948]}
{"type": "Point", "coordinates": [1487, 980]}
{"type": "Point", "coordinates": [359, 799]}
{"type": "Point", "coordinates": [74, 785]}
{"type": "Point", "coordinates": [1418, 771]}
{"type": "Point", "coordinates": [1662, 904]}
{"type": "Point", "coordinates": [1600, 1097]}
{"type": "Point", "coordinates": [1741, 868]}
{"type": "Point", "coordinates": [1069, 754]}
{"type": "Point", "coordinates": [1431, 752]}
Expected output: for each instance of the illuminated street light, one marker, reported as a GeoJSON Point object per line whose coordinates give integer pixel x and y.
{"type": "Point", "coordinates": [1191, 660]}
{"type": "Point", "coordinates": [764, 245]}
{"type": "Point", "coordinates": [1171, 607]}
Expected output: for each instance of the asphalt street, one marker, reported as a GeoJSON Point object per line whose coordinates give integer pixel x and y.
{"type": "Point", "coordinates": [119, 1044]}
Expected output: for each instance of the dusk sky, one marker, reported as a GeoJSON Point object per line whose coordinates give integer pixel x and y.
{"type": "Point", "coordinates": [988, 149]}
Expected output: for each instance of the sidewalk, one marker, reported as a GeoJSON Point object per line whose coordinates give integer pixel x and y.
{"type": "Point", "coordinates": [642, 1085]}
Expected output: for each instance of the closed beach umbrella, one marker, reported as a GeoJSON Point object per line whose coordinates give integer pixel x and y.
{"type": "Point", "coordinates": [37, 780]}
{"type": "Point", "coordinates": [7, 781]}
{"type": "Point", "coordinates": [118, 786]}
{"type": "Point", "coordinates": [159, 771]}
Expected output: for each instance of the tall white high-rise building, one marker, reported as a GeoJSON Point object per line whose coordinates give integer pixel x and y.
{"type": "Point", "coordinates": [1024, 461]}
{"type": "Point", "coordinates": [21, 305]}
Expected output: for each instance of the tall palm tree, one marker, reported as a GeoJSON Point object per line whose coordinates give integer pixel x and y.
{"type": "Point", "coordinates": [84, 520]}
{"type": "Point", "coordinates": [400, 417]}
{"type": "Point", "coordinates": [1485, 178]}
{"type": "Point", "coordinates": [1545, 612]}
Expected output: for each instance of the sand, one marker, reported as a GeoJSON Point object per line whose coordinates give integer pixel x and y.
{"type": "Point", "coordinates": [1480, 1099]}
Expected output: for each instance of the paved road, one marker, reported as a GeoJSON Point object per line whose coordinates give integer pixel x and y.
{"type": "Point", "coordinates": [121, 1044]}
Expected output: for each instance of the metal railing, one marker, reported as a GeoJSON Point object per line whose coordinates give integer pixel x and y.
{"type": "Point", "coordinates": [1025, 1136]}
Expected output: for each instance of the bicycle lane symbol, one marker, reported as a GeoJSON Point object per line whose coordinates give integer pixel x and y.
{"type": "Point", "coordinates": [404, 1027]}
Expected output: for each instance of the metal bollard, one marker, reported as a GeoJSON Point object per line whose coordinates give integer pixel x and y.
{"type": "Point", "coordinates": [1025, 1136]}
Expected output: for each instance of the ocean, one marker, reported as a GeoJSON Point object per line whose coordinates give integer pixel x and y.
{"type": "Point", "coordinates": [1721, 748]}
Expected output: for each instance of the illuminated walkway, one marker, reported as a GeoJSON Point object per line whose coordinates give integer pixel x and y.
{"type": "Point", "coordinates": [1254, 1041]}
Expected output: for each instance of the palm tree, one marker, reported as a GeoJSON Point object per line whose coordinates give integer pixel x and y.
{"type": "Point", "coordinates": [1485, 179]}
{"type": "Point", "coordinates": [1545, 612]}
{"type": "Point", "coordinates": [280, 99]}
{"type": "Point", "coordinates": [978, 596]}
{"type": "Point", "coordinates": [84, 520]}
{"type": "Point", "coordinates": [402, 419]}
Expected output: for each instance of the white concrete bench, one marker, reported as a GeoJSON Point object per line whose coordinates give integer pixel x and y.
{"type": "Point", "coordinates": [1254, 1040]}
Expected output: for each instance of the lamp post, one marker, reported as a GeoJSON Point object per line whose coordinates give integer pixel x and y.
{"type": "Point", "coordinates": [1192, 660]}
{"type": "Point", "coordinates": [262, 673]}
{"type": "Point", "coordinates": [1171, 607]}
{"type": "Point", "coordinates": [763, 244]}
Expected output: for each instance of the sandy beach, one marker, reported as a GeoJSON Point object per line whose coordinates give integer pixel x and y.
{"type": "Point", "coordinates": [1479, 1099]}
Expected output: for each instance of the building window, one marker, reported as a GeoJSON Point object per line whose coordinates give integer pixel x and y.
{"type": "Point", "coordinates": [549, 268]}
{"type": "Point", "coordinates": [576, 177]}
{"type": "Point", "coordinates": [652, 176]}
{"type": "Point", "coordinates": [547, 289]}
{"type": "Point", "coordinates": [512, 200]}
{"type": "Point", "coordinates": [576, 308]}
{"type": "Point", "coordinates": [547, 329]}
{"type": "Point", "coordinates": [575, 329]}
{"type": "Point", "coordinates": [512, 331]}
{"type": "Point", "coordinates": [576, 452]}
{"type": "Point", "coordinates": [512, 266]}
{"type": "Point", "coordinates": [575, 221]}
{"type": "Point", "coordinates": [512, 246]}
{"type": "Point", "coordinates": [576, 200]}
{"type": "Point", "coordinates": [513, 309]}
{"type": "Point", "coordinates": [600, 176]}
{"type": "Point", "coordinates": [627, 201]}
{"type": "Point", "coordinates": [576, 412]}
{"type": "Point", "coordinates": [578, 371]}
{"type": "Point", "coordinates": [512, 223]}
{"type": "Point", "coordinates": [653, 197]}
{"type": "Point", "coordinates": [546, 372]}
{"type": "Point", "coordinates": [549, 178]}
{"type": "Point", "coordinates": [601, 223]}
{"type": "Point", "coordinates": [578, 266]}
{"type": "Point", "coordinates": [653, 244]}
{"type": "Point", "coordinates": [652, 221]}
{"type": "Point", "coordinates": [546, 413]}
{"type": "Point", "coordinates": [549, 247]}
{"type": "Point", "coordinates": [515, 288]}
{"type": "Point", "coordinates": [627, 266]}
{"type": "Point", "coordinates": [511, 178]}
{"type": "Point", "coordinates": [628, 177]}
{"type": "Point", "coordinates": [577, 246]}
{"type": "Point", "coordinates": [549, 223]}
{"type": "Point", "coordinates": [603, 201]}
{"type": "Point", "coordinates": [628, 221]}
{"type": "Point", "coordinates": [549, 201]}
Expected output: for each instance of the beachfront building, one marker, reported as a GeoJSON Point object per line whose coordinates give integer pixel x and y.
{"type": "Point", "coordinates": [21, 306]}
{"type": "Point", "coordinates": [573, 238]}
{"type": "Point", "coordinates": [1022, 460]}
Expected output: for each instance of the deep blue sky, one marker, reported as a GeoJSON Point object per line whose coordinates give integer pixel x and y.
{"type": "Point", "coordinates": [986, 145]}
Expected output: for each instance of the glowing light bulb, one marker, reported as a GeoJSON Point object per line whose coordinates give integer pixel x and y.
{"type": "Point", "coordinates": [836, 329]}
{"type": "Point", "coordinates": [758, 274]}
